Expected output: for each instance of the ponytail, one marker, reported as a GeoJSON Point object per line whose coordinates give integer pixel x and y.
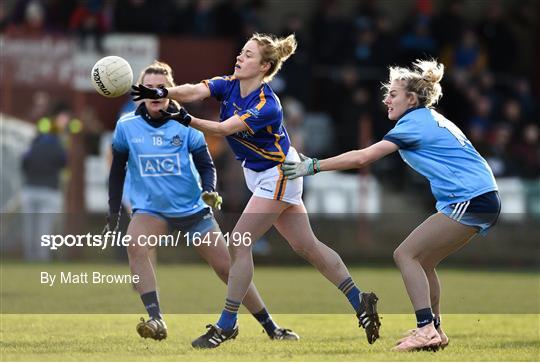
{"type": "Point", "coordinates": [275, 51]}
{"type": "Point", "coordinates": [423, 79]}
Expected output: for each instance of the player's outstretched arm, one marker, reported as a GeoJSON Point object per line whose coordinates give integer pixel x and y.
{"type": "Point", "coordinates": [230, 126]}
{"type": "Point", "coordinates": [359, 158]}
{"type": "Point", "coordinates": [187, 93]}
{"type": "Point", "coordinates": [350, 160]}
{"type": "Point", "coordinates": [184, 94]}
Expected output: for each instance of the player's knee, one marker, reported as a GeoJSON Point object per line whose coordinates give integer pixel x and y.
{"type": "Point", "coordinates": [239, 252]}
{"type": "Point", "coordinates": [399, 256]}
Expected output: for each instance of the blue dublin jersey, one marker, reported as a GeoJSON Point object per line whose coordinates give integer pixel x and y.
{"type": "Point", "coordinates": [436, 148]}
{"type": "Point", "coordinates": [162, 176]}
{"type": "Point", "coordinates": [266, 142]}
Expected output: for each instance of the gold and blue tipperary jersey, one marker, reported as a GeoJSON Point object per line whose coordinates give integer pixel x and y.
{"type": "Point", "coordinates": [162, 176]}
{"type": "Point", "coordinates": [266, 142]}
{"type": "Point", "coordinates": [436, 148]}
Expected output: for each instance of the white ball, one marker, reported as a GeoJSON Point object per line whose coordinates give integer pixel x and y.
{"type": "Point", "coordinates": [112, 76]}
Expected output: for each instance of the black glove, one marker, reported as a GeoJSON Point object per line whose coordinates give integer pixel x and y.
{"type": "Point", "coordinates": [140, 92]}
{"type": "Point", "coordinates": [181, 116]}
{"type": "Point", "coordinates": [113, 223]}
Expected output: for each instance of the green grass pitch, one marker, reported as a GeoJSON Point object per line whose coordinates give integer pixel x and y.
{"type": "Point", "coordinates": [484, 320]}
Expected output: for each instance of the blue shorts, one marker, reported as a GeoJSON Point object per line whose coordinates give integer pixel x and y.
{"type": "Point", "coordinates": [201, 222]}
{"type": "Point", "coordinates": [481, 212]}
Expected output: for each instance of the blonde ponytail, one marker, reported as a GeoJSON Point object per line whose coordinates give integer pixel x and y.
{"type": "Point", "coordinates": [286, 47]}
{"type": "Point", "coordinates": [423, 79]}
{"type": "Point", "coordinates": [274, 51]}
{"type": "Point", "coordinates": [431, 71]}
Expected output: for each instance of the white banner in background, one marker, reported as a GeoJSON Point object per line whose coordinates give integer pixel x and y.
{"type": "Point", "coordinates": [41, 62]}
{"type": "Point", "coordinates": [138, 50]}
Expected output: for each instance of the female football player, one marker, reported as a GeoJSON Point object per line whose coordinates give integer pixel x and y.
{"type": "Point", "coordinates": [165, 195]}
{"type": "Point", "coordinates": [461, 182]}
{"type": "Point", "coordinates": [252, 120]}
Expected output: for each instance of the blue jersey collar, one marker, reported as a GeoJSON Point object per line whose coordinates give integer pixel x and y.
{"type": "Point", "coordinates": [411, 110]}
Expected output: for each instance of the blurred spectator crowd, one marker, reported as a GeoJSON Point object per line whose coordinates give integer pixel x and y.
{"type": "Point", "coordinates": [342, 58]}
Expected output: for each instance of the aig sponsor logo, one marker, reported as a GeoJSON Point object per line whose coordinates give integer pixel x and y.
{"type": "Point", "coordinates": [159, 164]}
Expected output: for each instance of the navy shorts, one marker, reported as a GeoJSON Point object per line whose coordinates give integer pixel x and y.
{"type": "Point", "coordinates": [481, 212]}
{"type": "Point", "coordinates": [201, 222]}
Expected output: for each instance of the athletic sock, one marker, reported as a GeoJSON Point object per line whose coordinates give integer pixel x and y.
{"type": "Point", "coordinates": [151, 304]}
{"type": "Point", "coordinates": [266, 321]}
{"type": "Point", "coordinates": [352, 293]}
{"type": "Point", "coordinates": [437, 321]}
{"type": "Point", "coordinates": [423, 317]}
{"type": "Point", "coordinates": [229, 315]}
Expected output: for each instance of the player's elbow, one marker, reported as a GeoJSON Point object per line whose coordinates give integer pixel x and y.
{"type": "Point", "coordinates": [360, 159]}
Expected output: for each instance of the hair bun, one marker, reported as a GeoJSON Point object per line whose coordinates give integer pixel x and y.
{"type": "Point", "coordinates": [274, 51]}
{"type": "Point", "coordinates": [423, 79]}
{"type": "Point", "coordinates": [286, 47]}
{"type": "Point", "coordinates": [431, 70]}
